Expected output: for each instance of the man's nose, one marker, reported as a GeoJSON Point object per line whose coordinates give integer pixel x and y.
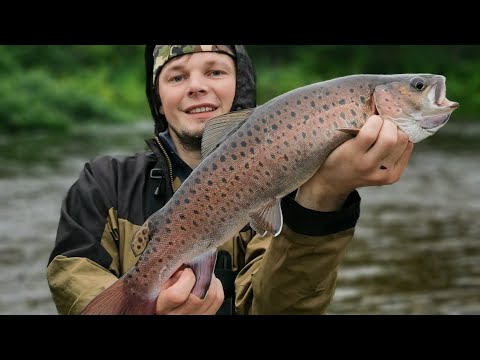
{"type": "Point", "coordinates": [197, 85]}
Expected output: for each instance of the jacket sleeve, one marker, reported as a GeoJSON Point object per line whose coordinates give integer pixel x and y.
{"type": "Point", "coordinates": [84, 260]}
{"type": "Point", "coordinates": [298, 272]}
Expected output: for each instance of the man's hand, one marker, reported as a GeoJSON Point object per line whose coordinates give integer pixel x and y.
{"type": "Point", "coordinates": [378, 155]}
{"type": "Point", "coordinates": [175, 297]}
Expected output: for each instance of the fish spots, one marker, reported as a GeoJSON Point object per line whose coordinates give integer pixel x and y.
{"type": "Point", "coordinates": [305, 97]}
{"type": "Point", "coordinates": [234, 157]}
{"type": "Point", "coordinates": [256, 127]}
{"type": "Point", "coordinates": [304, 135]}
{"type": "Point", "coordinates": [299, 102]}
{"type": "Point", "coordinates": [284, 168]}
{"type": "Point", "coordinates": [335, 124]}
{"type": "Point", "coordinates": [286, 143]}
{"type": "Point", "coordinates": [264, 121]}
{"type": "Point", "coordinates": [257, 140]}
{"type": "Point", "coordinates": [182, 216]}
{"type": "Point", "coordinates": [351, 90]}
{"type": "Point", "coordinates": [187, 201]}
{"type": "Point", "coordinates": [341, 102]}
{"type": "Point", "coordinates": [224, 180]}
{"type": "Point", "coordinates": [197, 181]}
{"type": "Point", "coordinates": [325, 107]}
{"type": "Point", "coordinates": [267, 172]}
{"type": "Point", "coordinates": [214, 167]}
{"type": "Point", "coordinates": [342, 115]}
{"type": "Point", "coordinates": [314, 132]}
{"type": "Point", "coordinates": [285, 157]}
{"type": "Point", "coordinates": [243, 144]}
{"type": "Point", "coordinates": [247, 166]}
{"type": "Point", "coordinates": [183, 228]}
{"type": "Point", "coordinates": [274, 126]}
{"type": "Point", "coordinates": [353, 112]}
{"type": "Point", "coordinates": [195, 212]}
{"type": "Point", "coordinates": [231, 168]}
{"type": "Point", "coordinates": [168, 230]}
{"type": "Point", "coordinates": [321, 120]}
{"type": "Point", "coordinates": [362, 99]}
{"type": "Point", "coordinates": [222, 158]}
{"type": "Point", "coordinates": [234, 144]}
{"type": "Point", "coordinates": [168, 220]}
{"type": "Point", "coordinates": [240, 134]}
{"type": "Point", "coordinates": [249, 133]}
{"type": "Point", "coordinates": [312, 104]}
{"type": "Point", "coordinates": [252, 150]}
{"type": "Point", "coordinates": [278, 112]}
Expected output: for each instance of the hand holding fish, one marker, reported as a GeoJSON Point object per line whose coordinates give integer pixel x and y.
{"type": "Point", "coordinates": [357, 163]}
{"type": "Point", "coordinates": [176, 298]}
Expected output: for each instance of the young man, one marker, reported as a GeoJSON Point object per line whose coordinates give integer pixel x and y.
{"type": "Point", "coordinates": [294, 273]}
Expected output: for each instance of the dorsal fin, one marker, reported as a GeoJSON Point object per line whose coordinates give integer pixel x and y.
{"type": "Point", "coordinates": [219, 128]}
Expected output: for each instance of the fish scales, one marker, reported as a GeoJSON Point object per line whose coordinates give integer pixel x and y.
{"type": "Point", "coordinates": [279, 146]}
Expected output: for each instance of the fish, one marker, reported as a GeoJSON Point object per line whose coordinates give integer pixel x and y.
{"type": "Point", "coordinates": [252, 158]}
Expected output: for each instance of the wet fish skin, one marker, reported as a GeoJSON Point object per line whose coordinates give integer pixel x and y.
{"type": "Point", "coordinates": [269, 152]}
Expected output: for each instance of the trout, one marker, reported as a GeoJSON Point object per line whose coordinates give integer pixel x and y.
{"type": "Point", "coordinates": [251, 159]}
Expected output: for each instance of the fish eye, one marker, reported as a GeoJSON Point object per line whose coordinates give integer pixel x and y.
{"type": "Point", "coordinates": [418, 83]}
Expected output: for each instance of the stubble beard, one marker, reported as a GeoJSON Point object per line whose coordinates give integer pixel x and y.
{"type": "Point", "coordinates": [190, 141]}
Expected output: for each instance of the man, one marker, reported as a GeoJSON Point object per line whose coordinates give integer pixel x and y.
{"type": "Point", "coordinates": [187, 85]}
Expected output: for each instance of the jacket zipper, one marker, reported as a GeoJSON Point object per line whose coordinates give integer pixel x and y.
{"type": "Point", "coordinates": [169, 163]}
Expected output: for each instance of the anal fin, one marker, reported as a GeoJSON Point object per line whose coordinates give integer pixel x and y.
{"type": "Point", "coordinates": [203, 267]}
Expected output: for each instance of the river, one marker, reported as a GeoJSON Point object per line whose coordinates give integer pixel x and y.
{"type": "Point", "coordinates": [416, 248]}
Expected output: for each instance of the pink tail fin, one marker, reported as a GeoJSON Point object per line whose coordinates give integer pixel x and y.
{"type": "Point", "coordinates": [116, 301]}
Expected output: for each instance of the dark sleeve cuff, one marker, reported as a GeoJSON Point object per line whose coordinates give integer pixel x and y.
{"type": "Point", "coordinates": [316, 223]}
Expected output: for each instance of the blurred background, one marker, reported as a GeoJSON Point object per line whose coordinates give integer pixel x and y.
{"type": "Point", "coordinates": [416, 249]}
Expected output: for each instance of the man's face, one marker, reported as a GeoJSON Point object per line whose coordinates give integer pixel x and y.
{"type": "Point", "coordinates": [194, 88]}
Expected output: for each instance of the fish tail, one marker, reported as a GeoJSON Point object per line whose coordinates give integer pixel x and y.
{"type": "Point", "coordinates": [116, 301]}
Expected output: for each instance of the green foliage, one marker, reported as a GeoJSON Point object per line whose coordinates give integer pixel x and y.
{"type": "Point", "coordinates": [56, 86]}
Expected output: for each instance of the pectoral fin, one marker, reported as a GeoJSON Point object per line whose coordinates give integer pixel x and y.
{"type": "Point", "coordinates": [268, 219]}
{"type": "Point", "coordinates": [203, 267]}
{"type": "Point", "coordinates": [350, 131]}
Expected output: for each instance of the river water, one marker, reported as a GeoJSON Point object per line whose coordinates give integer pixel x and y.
{"type": "Point", "coordinates": [416, 248]}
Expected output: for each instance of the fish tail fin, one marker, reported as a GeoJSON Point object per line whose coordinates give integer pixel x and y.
{"type": "Point", "coordinates": [115, 300]}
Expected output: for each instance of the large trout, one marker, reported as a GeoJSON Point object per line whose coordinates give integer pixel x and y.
{"type": "Point", "coordinates": [253, 158]}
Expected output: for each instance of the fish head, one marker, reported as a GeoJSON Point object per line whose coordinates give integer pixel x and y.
{"type": "Point", "coordinates": [417, 103]}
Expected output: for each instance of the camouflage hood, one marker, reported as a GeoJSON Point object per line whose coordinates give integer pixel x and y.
{"type": "Point", "coordinates": [157, 55]}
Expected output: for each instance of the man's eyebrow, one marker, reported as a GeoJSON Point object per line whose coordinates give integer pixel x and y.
{"type": "Point", "coordinates": [179, 67]}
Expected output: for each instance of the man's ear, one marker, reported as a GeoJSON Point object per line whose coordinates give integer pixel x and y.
{"type": "Point", "coordinates": [160, 110]}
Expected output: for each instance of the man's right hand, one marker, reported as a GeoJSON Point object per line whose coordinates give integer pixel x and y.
{"type": "Point", "coordinates": [175, 297]}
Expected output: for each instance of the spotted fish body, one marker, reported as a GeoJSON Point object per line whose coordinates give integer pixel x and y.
{"type": "Point", "coordinates": [255, 157]}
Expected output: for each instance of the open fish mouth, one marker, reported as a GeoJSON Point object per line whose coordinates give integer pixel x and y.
{"type": "Point", "coordinates": [430, 122]}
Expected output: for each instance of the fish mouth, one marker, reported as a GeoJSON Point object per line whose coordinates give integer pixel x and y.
{"type": "Point", "coordinates": [441, 106]}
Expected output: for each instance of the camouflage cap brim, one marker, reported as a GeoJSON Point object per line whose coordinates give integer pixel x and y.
{"type": "Point", "coordinates": [163, 53]}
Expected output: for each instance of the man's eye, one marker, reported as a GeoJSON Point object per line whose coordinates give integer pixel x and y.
{"type": "Point", "coordinates": [177, 78]}
{"type": "Point", "coordinates": [216, 72]}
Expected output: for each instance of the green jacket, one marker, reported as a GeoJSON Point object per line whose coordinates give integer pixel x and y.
{"type": "Point", "coordinates": [294, 273]}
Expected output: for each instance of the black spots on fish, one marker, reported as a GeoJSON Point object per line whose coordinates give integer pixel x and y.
{"type": "Point", "coordinates": [286, 103]}
{"type": "Point", "coordinates": [256, 178]}
{"type": "Point", "coordinates": [210, 207]}
{"type": "Point", "coordinates": [194, 223]}
{"type": "Point", "coordinates": [312, 104]}
{"type": "Point", "coordinates": [285, 157]}
{"type": "Point", "coordinates": [314, 132]}
{"type": "Point", "coordinates": [342, 115]}
{"type": "Point", "coordinates": [353, 112]}
{"type": "Point", "coordinates": [240, 134]}
{"type": "Point", "coordinates": [197, 180]}
{"type": "Point", "coordinates": [214, 167]}
{"type": "Point", "coordinates": [256, 127]}
{"type": "Point", "coordinates": [170, 243]}
{"type": "Point", "coordinates": [265, 130]}
{"type": "Point", "coordinates": [321, 120]}
{"type": "Point", "coordinates": [194, 236]}
{"type": "Point", "coordinates": [168, 221]}
{"type": "Point", "coordinates": [181, 216]}
{"type": "Point", "coordinates": [361, 86]}
{"type": "Point", "coordinates": [257, 140]}
{"type": "Point", "coordinates": [205, 169]}
{"type": "Point", "coordinates": [168, 230]}
{"type": "Point", "coordinates": [310, 144]}
{"type": "Point", "coordinates": [284, 168]}
{"type": "Point", "coordinates": [207, 197]}
{"type": "Point", "coordinates": [267, 172]}
{"type": "Point", "coordinates": [237, 195]}
{"type": "Point", "coordinates": [274, 126]}
{"type": "Point", "coordinates": [341, 102]}
{"type": "Point", "coordinates": [223, 209]}
{"type": "Point", "coordinates": [325, 107]}
{"type": "Point", "coordinates": [248, 125]}
{"type": "Point", "coordinates": [138, 247]}
{"type": "Point", "coordinates": [398, 110]}
{"type": "Point", "coordinates": [305, 118]}
{"type": "Point", "coordinates": [237, 177]}
{"type": "Point", "coordinates": [304, 135]}
{"type": "Point", "coordinates": [328, 133]}
{"type": "Point", "coordinates": [177, 202]}
{"type": "Point", "coordinates": [285, 110]}
{"type": "Point", "coordinates": [224, 180]}
{"type": "Point", "coordinates": [222, 219]}
{"type": "Point", "coordinates": [182, 192]}
{"type": "Point", "coordinates": [129, 276]}
{"type": "Point", "coordinates": [295, 137]}
{"type": "Point", "coordinates": [299, 102]}
{"type": "Point", "coordinates": [187, 201]}
{"type": "Point", "coordinates": [351, 90]}
{"type": "Point", "coordinates": [243, 144]}
{"type": "Point", "coordinates": [223, 195]}
{"type": "Point", "coordinates": [299, 152]}
{"type": "Point", "coordinates": [362, 99]}
{"type": "Point", "coordinates": [233, 144]}
{"type": "Point", "coordinates": [231, 168]}
{"type": "Point", "coordinates": [222, 158]}
{"type": "Point", "coordinates": [183, 228]}
{"type": "Point", "coordinates": [286, 144]}
{"type": "Point", "coordinates": [273, 156]}
{"type": "Point", "coordinates": [264, 121]}
{"type": "Point", "coordinates": [195, 212]}
{"type": "Point", "coordinates": [333, 103]}
{"type": "Point", "coordinates": [252, 150]}
{"type": "Point", "coordinates": [247, 165]}
{"type": "Point", "coordinates": [249, 133]}
{"type": "Point", "coordinates": [271, 116]}
{"type": "Point", "coordinates": [234, 157]}
{"type": "Point", "coordinates": [335, 125]}
{"type": "Point", "coordinates": [319, 97]}
{"type": "Point", "coordinates": [192, 191]}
